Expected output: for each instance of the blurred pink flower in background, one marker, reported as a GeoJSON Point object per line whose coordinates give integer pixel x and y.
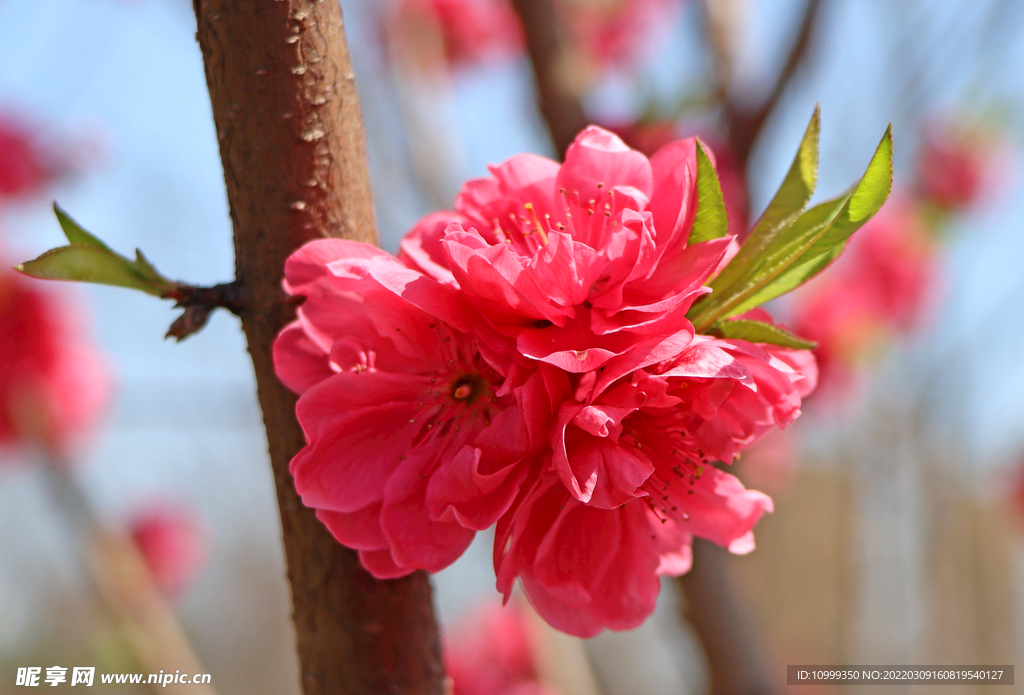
{"type": "Point", "coordinates": [962, 162]}
{"type": "Point", "coordinates": [879, 289]}
{"type": "Point", "coordinates": [528, 361]}
{"type": "Point", "coordinates": [491, 652]}
{"type": "Point", "coordinates": [24, 169]}
{"type": "Point", "coordinates": [54, 383]}
{"type": "Point", "coordinates": [171, 544]}
{"type": "Point", "coordinates": [469, 32]}
{"type": "Point", "coordinates": [613, 33]}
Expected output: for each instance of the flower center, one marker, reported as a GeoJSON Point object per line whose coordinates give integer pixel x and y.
{"type": "Point", "coordinates": [468, 388]}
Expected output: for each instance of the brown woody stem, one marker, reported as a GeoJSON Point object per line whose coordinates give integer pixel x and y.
{"type": "Point", "coordinates": [292, 144]}
{"type": "Point", "coordinates": [199, 302]}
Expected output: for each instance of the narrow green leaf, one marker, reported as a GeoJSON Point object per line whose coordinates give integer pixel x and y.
{"type": "Point", "coordinates": [792, 278]}
{"type": "Point", "coordinates": [760, 332]}
{"type": "Point", "coordinates": [74, 232]}
{"type": "Point", "coordinates": [711, 221]}
{"type": "Point", "coordinates": [786, 205]}
{"type": "Point", "coordinates": [88, 263]}
{"type": "Point", "coordinates": [866, 199]}
{"type": "Point", "coordinates": [816, 233]}
{"type": "Point", "coordinates": [812, 222]}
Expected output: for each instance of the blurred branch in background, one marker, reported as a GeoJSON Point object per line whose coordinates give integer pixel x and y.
{"type": "Point", "coordinates": [558, 98]}
{"type": "Point", "coordinates": [744, 123]}
{"type": "Point", "coordinates": [125, 585]}
{"type": "Point", "coordinates": [415, 52]}
{"type": "Point", "coordinates": [723, 625]}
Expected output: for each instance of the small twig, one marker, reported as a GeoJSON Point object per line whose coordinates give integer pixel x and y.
{"type": "Point", "coordinates": [199, 302]}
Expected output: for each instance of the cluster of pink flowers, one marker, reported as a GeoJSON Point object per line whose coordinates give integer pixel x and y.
{"type": "Point", "coordinates": [526, 362]}
{"type": "Point", "coordinates": [879, 289]}
{"type": "Point", "coordinates": [493, 653]}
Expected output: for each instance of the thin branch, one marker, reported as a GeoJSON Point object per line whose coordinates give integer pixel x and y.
{"type": "Point", "coordinates": [722, 625]}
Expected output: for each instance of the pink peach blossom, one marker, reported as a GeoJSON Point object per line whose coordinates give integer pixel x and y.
{"type": "Point", "coordinates": [630, 480]}
{"type": "Point", "coordinates": [578, 264]}
{"type": "Point", "coordinates": [527, 361]}
{"type": "Point", "coordinates": [393, 390]}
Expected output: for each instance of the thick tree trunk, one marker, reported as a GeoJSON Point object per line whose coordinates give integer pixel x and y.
{"type": "Point", "coordinates": [292, 144]}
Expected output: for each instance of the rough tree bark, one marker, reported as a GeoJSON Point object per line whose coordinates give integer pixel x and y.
{"type": "Point", "coordinates": [293, 148]}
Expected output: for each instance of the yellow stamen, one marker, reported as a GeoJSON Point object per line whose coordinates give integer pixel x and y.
{"type": "Point", "coordinates": [536, 221]}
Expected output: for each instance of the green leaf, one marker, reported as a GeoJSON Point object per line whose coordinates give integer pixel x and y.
{"type": "Point", "coordinates": [87, 263]}
{"type": "Point", "coordinates": [813, 221]}
{"type": "Point", "coordinates": [711, 221]}
{"type": "Point", "coordinates": [88, 259]}
{"type": "Point", "coordinates": [821, 231]}
{"type": "Point", "coordinates": [760, 332]}
{"type": "Point", "coordinates": [866, 199]}
{"type": "Point", "coordinates": [146, 269]}
{"type": "Point", "coordinates": [786, 205]}
{"type": "Point", "coordinates": [74, 232]}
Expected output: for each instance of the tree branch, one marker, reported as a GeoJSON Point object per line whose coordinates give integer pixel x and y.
{"type": "Point", "coordinates": [743, 125]}
{"type": "Point", "coordinates": [292, 144]}
{"type": "Point", "coordinates": [560, 104]}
